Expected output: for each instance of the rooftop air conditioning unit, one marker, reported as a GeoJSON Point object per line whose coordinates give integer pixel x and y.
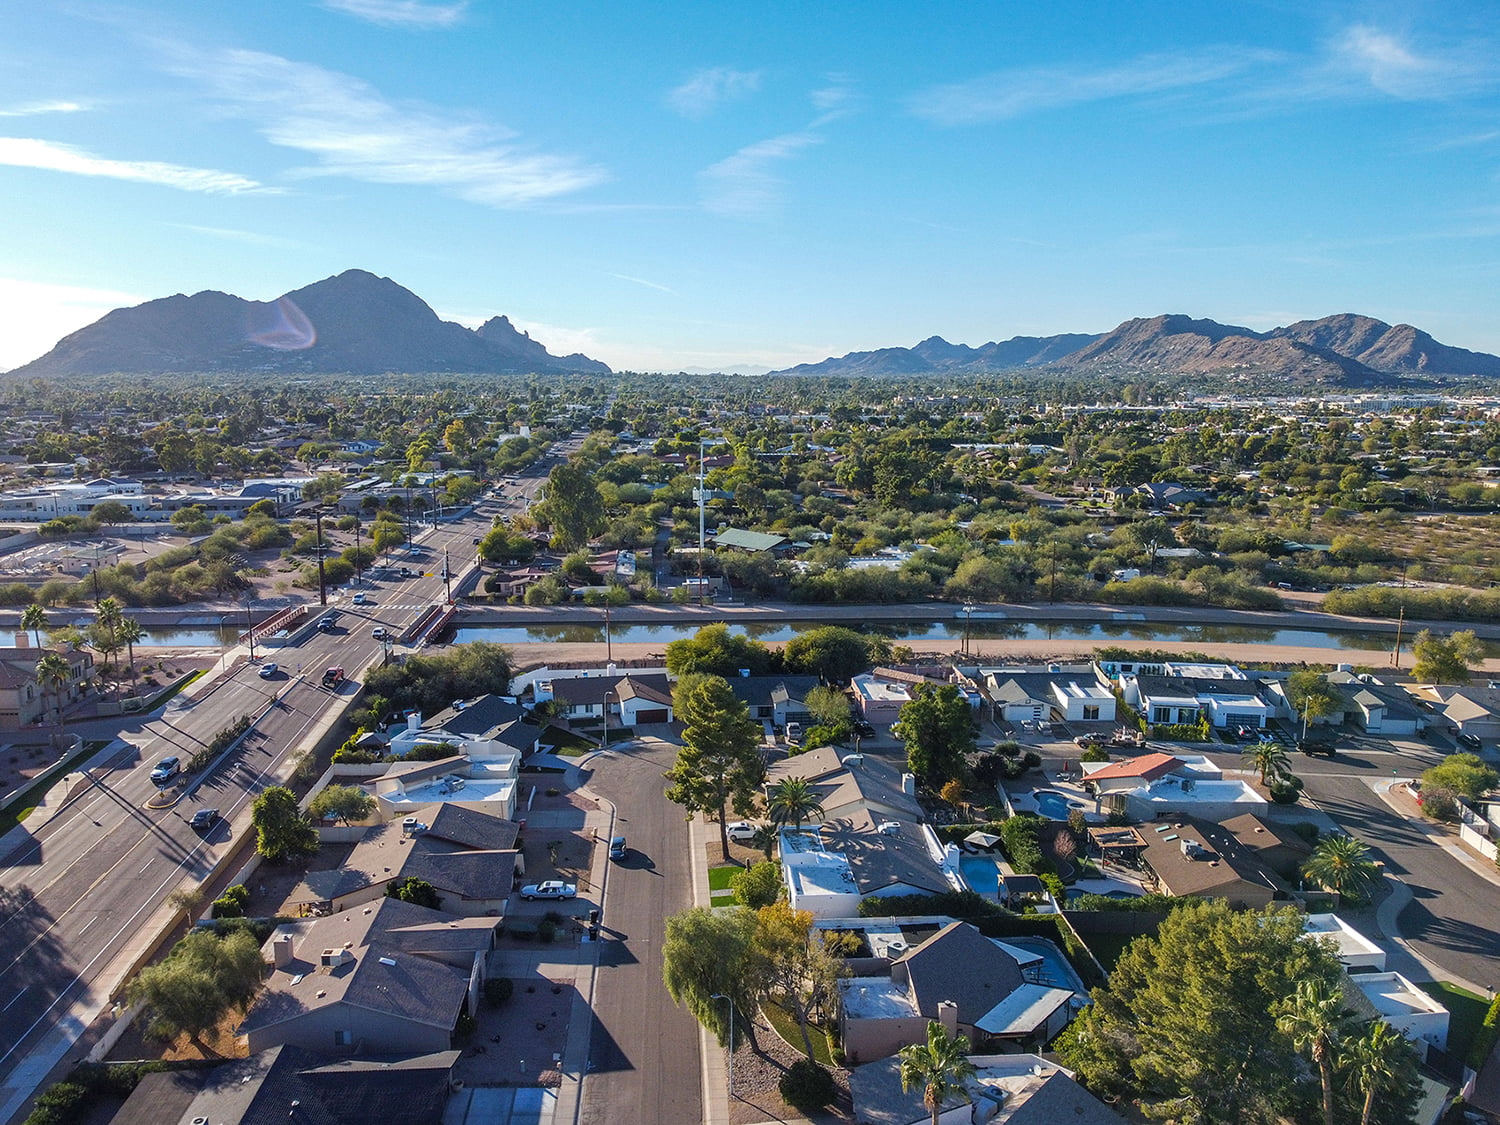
{"type": "Point", "coordinates": [888, 828]}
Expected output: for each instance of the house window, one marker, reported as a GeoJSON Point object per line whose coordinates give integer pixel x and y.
{"type": "Point", "coordinates": [1090, 714]}
{"type": "Point", "coordinates": [1161, 714]}
{"type": "Point", "coordinates": [343, 1038]}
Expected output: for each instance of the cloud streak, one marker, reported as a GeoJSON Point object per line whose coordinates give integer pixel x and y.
{"type": "Point", "coordinates": [710, 88]}
{"type": "Point", "coordinates": [36, 109]}
{"type": "Point", "coordinates": [746, 184]}
{"type": "Point", "coordinates": [643, 281]}
{"type": "Point", "coordinates": [1005, 95]}
{"type": "Point", "coordinates": [401, 13]}
{"type": "Point", "coordinates": [29, 152]}
{"type": "Point", "coordinates": [351, 130]}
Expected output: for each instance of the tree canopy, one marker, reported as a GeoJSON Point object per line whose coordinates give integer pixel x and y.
{"type": "Point", "coordinates": [939, 732]}
{"type": "Point", "coordinates": [716, 651]}
{"type": "Point", "coordinates": [1188, 1019]}
{"type": "Point", "coordinates": [571, 506]}
{"type": "Point", "coordinates": [282, 830]}
{"type": "Point", "coordinates": [1446, 660]}
{"type": "Point", "coordinates": [1464, 773]}
{"type": "Point", "coordinates": [348, 803]}
{"type": "Point", "coordinates": [833, 652]}
{"type": "Point", "coordinates": [719, 766]}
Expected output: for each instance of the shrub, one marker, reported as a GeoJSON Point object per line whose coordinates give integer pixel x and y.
{"type": "Point", "coordinates": [1286, 790]}
{"type": "Point", "coordinates": [1439, 803]}
{"type": "Point", "coordinates": [546, 929]}
{"type": "Point", "coordinates": [62, 1104]}
{"type": "Point", "coordinates": [1023, 844]}
{"type": "Point", "coordinates": [497, 990]}
{"type": "Point", "coordinates": [1095, 753]}
{"type": "Point", "coordinates": [806, 1085]}
{"type": "Point", "coordinates": [231, 904]}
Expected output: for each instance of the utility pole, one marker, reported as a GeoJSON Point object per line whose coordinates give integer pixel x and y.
{"type": "Point", "coordinates": [447, 577]}
{"type": "Point", "coordinates": [702, 499]}
{"type": "Point", "coordinates": [322, 583]}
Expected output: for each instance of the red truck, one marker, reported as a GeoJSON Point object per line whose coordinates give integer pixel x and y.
{"type": "Point", "coordinates": [333, 677]}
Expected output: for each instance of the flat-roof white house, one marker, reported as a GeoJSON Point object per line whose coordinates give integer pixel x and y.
{"type": "Point", "coordinates": [1355, 952]}
{"type": "Point", "coordinates": [1407, 1008]}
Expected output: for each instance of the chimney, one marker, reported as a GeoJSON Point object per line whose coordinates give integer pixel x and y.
{"type": "Point", "coordinates": [948, 1016]}
{"type": "Point", "coordinates": [281, 951]}
{"type": "Point", "coordinates": [414, 720]}
{"type": "Point", "coordinates": [23, 639]}
{"type": "Point", "coordinates": [909, 784]}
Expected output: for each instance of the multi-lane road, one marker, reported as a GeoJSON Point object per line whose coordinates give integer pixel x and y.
{"type": "Point", "coordinates": [83, 890]}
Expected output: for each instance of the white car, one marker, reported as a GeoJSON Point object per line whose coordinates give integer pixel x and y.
{"type": "Point", "coordinates": [551, 888]}
{"type": "Point", "coordinates": [742, 831]}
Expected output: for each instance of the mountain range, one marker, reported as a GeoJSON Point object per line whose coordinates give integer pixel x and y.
{"type": "Point", "coordinates": [1346, 351]}
{"type": "Point", "coordinates": [360, 324]}
{"type": "Point", "coordinates": [354, 323]}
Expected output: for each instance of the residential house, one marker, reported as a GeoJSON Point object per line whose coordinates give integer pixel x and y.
{"type": "Point", "coordinates": [1272, 842]}
{"type": "Point", "coordinates": [407, 785]}
{"type": "Point", "coordinates": [830, 868]}
{"type": "Point", "coordinates": [974, 985]}
{"type": "Point", "coordinates": [1378, 707]}
{"type": "Point", "coordinates": [25, 700]}
{"type": "Point", "coordinates": [1357, 953]}
{"type": "Point", "coordinates": [1228, 702]}
{"type": "Point", "coordinates": [1188, 856]}
{"type": "Point", "coordinates": [1073, 695]}
{"type": "Point", "coordinates": [752, 542]}
{"type": "Point", "coordinates": [491, 728]}
{"type": "Point", "coordinates": [847, 783]}
{"type": "Point", "coordinates": [1404, 1006]}
{"type": "Point", "coordinates": [635, 698]}
{"type": "Point", "coordinates": [1004, 1090]}
{"type": "Point", "coordinates": [775, 699]}
{"type": "Point", "coordinates": [466, 852]}
{"type": "Point", "coordinates": [1468, 710]}
{"type": "Point", "coordinates": [290, 1084]}
{"type": "Point", "coordinates": [386, 977]}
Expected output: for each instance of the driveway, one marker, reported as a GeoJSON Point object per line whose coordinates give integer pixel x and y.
{"type": "Point", "coordinates": [643, 1053]}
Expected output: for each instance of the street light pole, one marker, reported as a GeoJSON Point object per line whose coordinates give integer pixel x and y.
{"type": "Point", "coordinates": [250, 628]}
{"type": "Point", "coordinates": [604, 743]}
{"type": "Point", "coordinates": [322, 584]}
{"type": "Point", "coordinates": [702, 518]}
{"type": "Point", "coordinates": [721, 996]}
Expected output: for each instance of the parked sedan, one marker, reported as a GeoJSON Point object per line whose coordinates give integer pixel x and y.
{"type": "Point", "coordinates": [742, 831]}
{"type": "Point", "coordinates": [550, 888]}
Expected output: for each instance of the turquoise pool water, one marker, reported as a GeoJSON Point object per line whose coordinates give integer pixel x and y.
{"type": "Point", "coordinates": [981, 872]}
{"type": "Point", "coordinates": [1053, 805]}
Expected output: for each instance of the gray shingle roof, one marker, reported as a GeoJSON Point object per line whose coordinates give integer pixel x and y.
{"type": "Point", "coordinates": [959, 963]}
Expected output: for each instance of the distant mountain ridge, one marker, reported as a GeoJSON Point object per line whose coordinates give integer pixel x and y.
{"type": "Point", "coordinates": [1346, 350]}
{"type": "Point", "coordinates": [354, 323]}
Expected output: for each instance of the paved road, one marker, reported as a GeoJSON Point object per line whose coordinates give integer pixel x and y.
{"type": "Point", "coordinates": [644, 1049]}
{"type": "Point", "coordinates": [78, 891]}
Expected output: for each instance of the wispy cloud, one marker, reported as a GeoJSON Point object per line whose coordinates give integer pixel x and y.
{"type": "Point", "coordinates": [228, 234]}
{"type": "Point", "coordinates": [1361, 62]}
{"type": "Point", "coordinates": [402, 13]}
{"type": "Point", "coordinates": [710, 88]}
{"type": "Point", "coordinates": [1016, 93]}
{"type": "Point", "coordinates": [36, 109]}
{"type": "Point", "coordinates": [352, 130]}
{"type": "Point", "coordinates": [746, 183]}
{"type": "Point", "coordinates": [643, 281]}
{"type": "Point", "coordinates": [28, 152]}
{"type": "Point", "coordinates": [1365, 58]}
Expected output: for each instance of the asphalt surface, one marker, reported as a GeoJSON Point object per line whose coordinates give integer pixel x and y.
{"type": "Point", "coordinates": [643, 1049]}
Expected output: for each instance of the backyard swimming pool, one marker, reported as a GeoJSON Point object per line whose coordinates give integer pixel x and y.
{"type": "Point", "coordinates": [1054, 805]}
{"type": "Point", "coordinates": [982, 873]}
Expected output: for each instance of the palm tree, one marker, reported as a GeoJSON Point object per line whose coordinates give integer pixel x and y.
{"type": "Point", "coordinates": [34, 617]}
{"type": "Point", "coordinates": [940, 1066]}
{"type": "Point", "coordinates": [792, 800]}
{"type": "Point", "coordinates": [109, 615]}
{"type": "Point", "coordinates": [53, 671]}
{"type": "Point", "coordinates": [1269, 759]}
{"type": "Point", "coordinates": [1315, 1018]}
{"type": "Point", "coordinates": [1342, 864]}
{"type": "Point", "coordinates": [1377, 1061]}
{"type": "Point", "coordinates": [764, 839]}
{"type": "Point", "coordinates": [130, 631]}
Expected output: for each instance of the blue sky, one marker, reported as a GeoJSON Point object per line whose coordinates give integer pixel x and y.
{"type": "Point", "coordinates": [670, 184]}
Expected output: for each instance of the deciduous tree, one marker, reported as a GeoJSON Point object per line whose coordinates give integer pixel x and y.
{"type": "Point", "coordinates": [282, 831]}
{"type": "Point", "coordinates": [347, 803]}
{"type": "Point", "coordinates": [706, 954]}
{"type": "Point", "coordinates": [796, 969]}
{"type": "Point", "coordinates": [1446, 660]}
{"type": "Point", "coordinates": [571, 506]}
{"type": "Point", "coordinates": [938, 730]}
{"type": "Point", "coordinates": [835, 653]}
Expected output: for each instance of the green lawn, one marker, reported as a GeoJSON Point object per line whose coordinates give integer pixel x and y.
{"type": "Point", "coordinates": [1467, 1010]}
{"type": "Point", "coordinates": [718, 877]}
{"type": "Point", "coordinates": [569, 744]}
{"type": "Point", "coordinates": [786, 1026]}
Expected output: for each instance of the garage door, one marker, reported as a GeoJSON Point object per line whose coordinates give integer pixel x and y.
{"type": "Point", "coordinates": [657, 715]}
